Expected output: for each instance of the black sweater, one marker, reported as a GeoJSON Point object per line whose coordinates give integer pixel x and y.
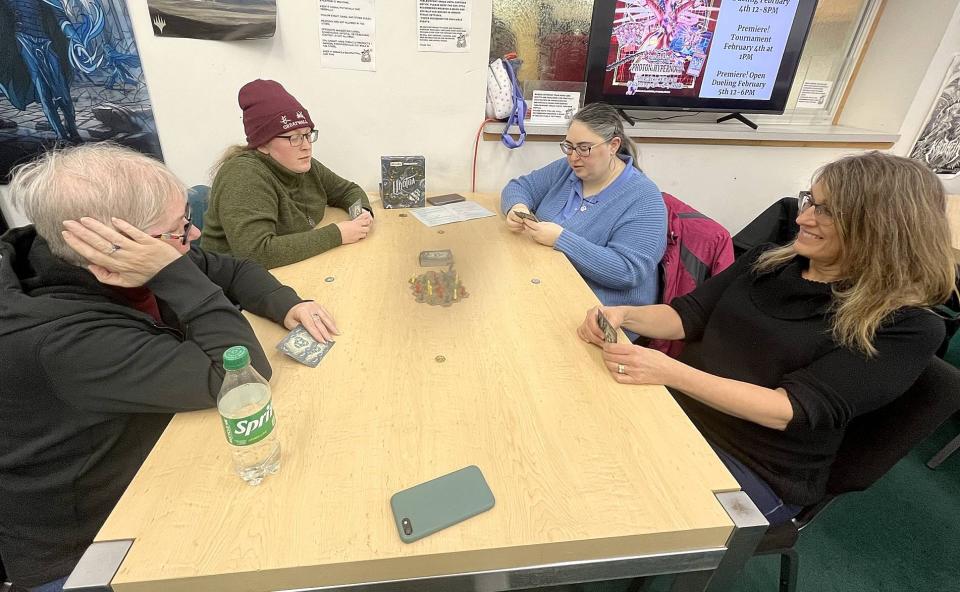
{"type": "Point", "coordinates": [773, 330]}
{"type": "Point", "coordinates": [87, 385]}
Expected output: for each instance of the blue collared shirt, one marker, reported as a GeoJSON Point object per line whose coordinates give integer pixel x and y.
{"type": "Point", "coordinates": [576, 198]}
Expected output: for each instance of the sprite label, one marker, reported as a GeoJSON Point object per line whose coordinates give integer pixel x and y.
{"type": "Point", "coordinates": [245, 431]}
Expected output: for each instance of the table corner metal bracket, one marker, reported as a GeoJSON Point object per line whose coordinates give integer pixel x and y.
{"type": "Point", "coordinates": [749, 526]}
{"type": "Point", "coordinates": [98, 566]}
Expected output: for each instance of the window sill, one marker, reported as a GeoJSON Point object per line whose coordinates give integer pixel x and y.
{"type": "Point", "coordinates": [735, 133]}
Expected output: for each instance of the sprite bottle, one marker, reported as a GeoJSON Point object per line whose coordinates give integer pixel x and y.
{"type": "Point", "coordinates": [246, 410]}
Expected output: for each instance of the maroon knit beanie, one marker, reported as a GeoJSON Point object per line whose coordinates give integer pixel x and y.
{"type": "Point", "coordinates": [269, 111]}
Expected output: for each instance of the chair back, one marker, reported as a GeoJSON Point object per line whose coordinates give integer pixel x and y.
{"type": "Point", "coordinates": [776, 224]}
{"type": "Point", "coordinates": [198, 196]}
{"type": "Point", "coordinates": [876, 441]}
{"type": "Point", "coordinates": [698, 248]}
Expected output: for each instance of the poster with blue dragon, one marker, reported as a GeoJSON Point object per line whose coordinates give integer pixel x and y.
{"type": "Point", "coordinates": [222, 20]}
{"type": "Point", "coordinates": [70, 73]}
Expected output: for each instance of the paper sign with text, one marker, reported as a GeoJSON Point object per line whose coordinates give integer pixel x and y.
{"type": "Point", "coordinates": [551, 106]}
{"type": "Point", "coordinates": [814, 94]}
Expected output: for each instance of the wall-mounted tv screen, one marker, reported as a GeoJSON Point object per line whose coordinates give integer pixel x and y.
{"type": "Point", "coordinates": [697, 55]}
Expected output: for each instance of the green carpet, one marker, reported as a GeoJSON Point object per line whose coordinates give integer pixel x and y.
{"type": "Point", "coordinates": [901, 535]}
{"type": "Point", "coordinates": [952, 354]}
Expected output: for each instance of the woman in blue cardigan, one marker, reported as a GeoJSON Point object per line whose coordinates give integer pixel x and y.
{"type": "Point", "coordinates": [597, 207]}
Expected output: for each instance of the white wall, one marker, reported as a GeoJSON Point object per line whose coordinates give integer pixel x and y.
{"type": "Point", "coordinates": [731, 184]}
{"type": "Point", "coordinates": [415, 103]}
{"type": "Point", "coordinates": [734, 183]}
{"type": "Point", "coordinates": [432, 104]}
{"type": "Point", "coordinates": [927, 93]}
{"type": "Point", "coordinates": [904, 43]}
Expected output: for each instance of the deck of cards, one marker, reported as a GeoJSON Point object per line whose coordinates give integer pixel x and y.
{"type": "Point", "coordinates": [355, 210]}
{"type": "Point", "coordinates": [302, 347]}
{"type": "Point", "coordinates": [609, 333]}
{"type": "Point", "coordinates": [436, 258]}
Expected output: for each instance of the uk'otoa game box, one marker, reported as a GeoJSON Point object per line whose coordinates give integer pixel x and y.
{"type": "Point", "coordinates": [402, 181]}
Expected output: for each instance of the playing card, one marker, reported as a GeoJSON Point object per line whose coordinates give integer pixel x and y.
{"type": "Point", "coordinates": [301, 346]}
{"type": "Point", "coordinates": [526, 216]}
{"type": "Point", "coordinates": [355, 210]}
{"type": "Point", "coordinates": [436, 258]}
{"type": "Point", "coordinates": [609, 333]}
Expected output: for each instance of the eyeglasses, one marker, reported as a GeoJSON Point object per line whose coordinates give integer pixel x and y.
{"type": "Point", "coordinates": [182, 237]}
{"type": "Point", "coordinates": [297, 139]}
{"type": "Point", "coordinates": [582, 150]}
{"type": "Point", "coordinates": [821, 212]}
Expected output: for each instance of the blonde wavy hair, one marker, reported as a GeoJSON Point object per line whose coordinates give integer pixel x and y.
{"type": "Point", "coordinates": [229, 153]}
{"type": "Point", "coordinates": [895, 251]}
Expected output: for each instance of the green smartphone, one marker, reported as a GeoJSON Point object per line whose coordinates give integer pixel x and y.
{"type": "Point", "coordinates": [436, 504]}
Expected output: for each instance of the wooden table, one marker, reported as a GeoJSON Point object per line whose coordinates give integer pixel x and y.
{"type": "Point", "coordinates": [592, 479]}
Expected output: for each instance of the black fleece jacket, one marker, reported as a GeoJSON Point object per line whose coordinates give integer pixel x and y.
{"type": "Point", "coordinates": [87, 385]}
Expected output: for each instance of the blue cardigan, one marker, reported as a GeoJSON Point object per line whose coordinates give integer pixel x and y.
{"type": "Point", "coordinates": [617, 243]}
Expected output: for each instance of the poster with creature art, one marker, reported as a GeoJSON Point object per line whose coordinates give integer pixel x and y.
{"type": "Point", "coordinates": [660, 47]}
{"type": "Point", "coordinates": [222, 20]}
{"type": "Point", "coordinates": [70, 73]}
{"type": "Point", "coordinates": [938, 144]}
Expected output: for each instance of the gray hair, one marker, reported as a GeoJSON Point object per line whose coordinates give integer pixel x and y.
{"type": "Point", "coordinates": [99, 181]}
{"type": "Point", "coordinates": [604, 121]}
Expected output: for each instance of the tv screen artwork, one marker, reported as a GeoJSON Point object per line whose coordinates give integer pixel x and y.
{"type": "Point", "coordinates": [697, 53]}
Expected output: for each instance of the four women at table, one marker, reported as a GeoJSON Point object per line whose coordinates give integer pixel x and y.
{"type": "Point", "coordinates": [789, 344]}
{"type": "Point", "coordinates": [269, 195]}
{"type": "Point", "coordinates": [785, 347]}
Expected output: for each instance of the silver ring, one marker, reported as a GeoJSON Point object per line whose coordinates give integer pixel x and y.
{"type": "Point", "coordinates": [113, 249]}
{"type": "Point", "coordinates": [620, 369]}
{"type": "Point", "coordinates": [315, 316]}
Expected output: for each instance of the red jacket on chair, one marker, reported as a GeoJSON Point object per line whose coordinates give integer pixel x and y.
{"type": "Point", "coordinates": [697, 248]}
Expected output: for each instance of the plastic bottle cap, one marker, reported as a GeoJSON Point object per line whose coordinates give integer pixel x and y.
{"type": "Point", "coordinates": [236, 358]}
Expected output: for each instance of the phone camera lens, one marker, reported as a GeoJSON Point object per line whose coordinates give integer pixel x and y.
{"type": "Point", "coordinates": [407, 527]}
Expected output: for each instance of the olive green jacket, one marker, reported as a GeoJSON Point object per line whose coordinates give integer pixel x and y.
{"type": "Point", "coordinates": [263, 211]}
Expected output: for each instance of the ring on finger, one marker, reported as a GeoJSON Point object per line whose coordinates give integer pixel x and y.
{"type": "Point", "coordinates": [113, 249]}
{"type": "Point", "coordinates": [315, 316]}
{"type": "Point", "coordinates": [620, 369]}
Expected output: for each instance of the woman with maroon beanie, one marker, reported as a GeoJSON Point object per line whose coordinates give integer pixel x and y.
{"type": "Point", "coordinates": [269, 195]}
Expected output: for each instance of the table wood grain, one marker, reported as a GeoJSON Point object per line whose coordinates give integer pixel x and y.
{"type": "Point", "coordinates": [581, 466]}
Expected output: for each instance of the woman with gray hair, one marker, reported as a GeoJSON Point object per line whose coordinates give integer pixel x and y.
{"type": "Point", "coordinates": [110, 322]}
{"type": "Point", "coordinates": [597, 207]}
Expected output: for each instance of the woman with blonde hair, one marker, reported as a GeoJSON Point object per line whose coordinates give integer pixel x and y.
{"type": "Point", "coordinates": [791, 343]}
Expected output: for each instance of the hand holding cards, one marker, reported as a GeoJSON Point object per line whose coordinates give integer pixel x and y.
{"type": "Point", "coordinates": [609, 333]}
{"type": "Point", "coordinates": [526, 216]}
{"type": "Point", "coordinates": [302, 347]}
{"type": "Point", "coordinates": [355, 210]}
